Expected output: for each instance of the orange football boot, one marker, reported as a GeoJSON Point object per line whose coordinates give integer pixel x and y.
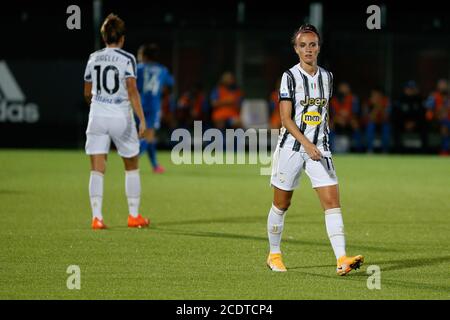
{"type": "Point", "coordinates": [275, 263]}
{"type": "Point", "coordinates": [98, 224]}
{"type": "Point", "coordinates": [346, 264]}
{"type": "Point", "coordinates": [138, 222]}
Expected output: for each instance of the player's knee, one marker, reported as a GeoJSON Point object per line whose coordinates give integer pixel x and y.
{"type": "Point", "coordinates": [150, 135]}
{"type": "Point", "coordinates": [131, 163]}
{"type": "Point", "coordinates": [99, 166]}
{"type": "Point", "coordinates": [282, 205]}
{"type": "Point", "coordinates": [330, 203]}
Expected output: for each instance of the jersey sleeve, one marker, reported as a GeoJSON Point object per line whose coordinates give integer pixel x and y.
{"type": "Point", "coordinates": [130, 69]}
{"type": "Point", "coordinates": [88, 71]}
{"type": "Point", "coordinates": [285, 88]}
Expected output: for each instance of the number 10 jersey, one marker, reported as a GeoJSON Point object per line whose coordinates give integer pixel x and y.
{"type": "Point", "coordinates": [108, 70]}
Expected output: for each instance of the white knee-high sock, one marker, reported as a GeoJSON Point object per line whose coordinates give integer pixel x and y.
{"type": "Point", "coordinates": [133, 191]}
{"type": "Point", "coordinates": [275, 224]}
{"type": "Point", "coordinates": [96, 193]}
{"type": "Point", "coordinates": [335, 230]}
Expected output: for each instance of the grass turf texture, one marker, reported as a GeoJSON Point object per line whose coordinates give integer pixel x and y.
{"type": "Point", "coordinates": [208, 234]}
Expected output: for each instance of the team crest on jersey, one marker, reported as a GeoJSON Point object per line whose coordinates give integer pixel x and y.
{"type": "Point", "coordinates": [312, 118]}
{"type": "Point", "coordinates": [313, 102]}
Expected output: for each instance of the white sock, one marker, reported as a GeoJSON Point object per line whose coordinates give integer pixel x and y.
{"type": "Point", "coordinates": [275, 223]}
{"type": "Point", "coordinates": [96, 193]}
{"type": "Point", "coordinates": [335, 230]}
{"type": "Point", "coordinates": [133, 191]}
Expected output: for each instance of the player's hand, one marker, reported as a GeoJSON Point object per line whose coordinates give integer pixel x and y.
{"type": "Point", "coordinates": [313, 152]}
{"type": "Point", "coordinates": [142, 128]}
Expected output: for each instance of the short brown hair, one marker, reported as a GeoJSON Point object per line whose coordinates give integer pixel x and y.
{"type": "Point", "coordinates": [113, 29]}
{"type": "Point", "coordinates": [305, 29]}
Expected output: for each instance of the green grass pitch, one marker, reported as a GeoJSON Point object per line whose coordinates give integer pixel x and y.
{"type": "Point", "coordinates": [208, 239]}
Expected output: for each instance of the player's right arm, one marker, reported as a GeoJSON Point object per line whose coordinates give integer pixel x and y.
{"type": "Point", "coordinates": [88, 92]}
{"type": "Point", "coordinates": [88, 82]}
{"type": "Point", "coordinates": [135, 100]}
{"type": "Point", "coordinates": [290, 125]}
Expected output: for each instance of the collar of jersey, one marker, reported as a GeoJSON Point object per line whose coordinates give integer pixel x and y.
{"type": "Point", "coordinates": [113, 48]}
{"type": "Point", "coordinates": [307, 74]}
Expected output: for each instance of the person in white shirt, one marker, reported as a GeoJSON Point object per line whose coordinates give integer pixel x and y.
{"type": "Point", "coordinates": [110, 90]}
{"type": "Point", "coordinates": [303, 145]}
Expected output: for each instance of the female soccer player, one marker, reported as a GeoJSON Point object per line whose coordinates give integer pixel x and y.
{"type": "Point", "coordinates": [153, 80]}
{"type": "Point", "coordinates": [305, 92]}
{"type": "Point", "coordinates": [110, 89]}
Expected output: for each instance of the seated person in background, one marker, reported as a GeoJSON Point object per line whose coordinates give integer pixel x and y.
{"type": "Point", "coordinates": [226, 100]}
{"type": "Point", "coordinates": [191, 106]}
{"type": "Point", "coordinates": [438, 113]}
{"type": "Point", "coordinates": [408, 115]}
{"type": "Point", "coordinates": [344, 118]}
{"type": "Point", "coordinates": [377, 116]}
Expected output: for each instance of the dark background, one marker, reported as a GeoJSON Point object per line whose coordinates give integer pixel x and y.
{"type": "Point", "coordinates": [199, 40]}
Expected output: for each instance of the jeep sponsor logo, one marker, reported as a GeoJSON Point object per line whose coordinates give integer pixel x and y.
{"type": "Point", "coordinates": [313, 102]}
{"type": "Point", "coordinates": [13, 105]}
{"type": "Point", "coordinates": [312, 118]}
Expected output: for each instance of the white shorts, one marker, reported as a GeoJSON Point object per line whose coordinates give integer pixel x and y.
{"type": "Point", "coordinates": [122, 131]}
{"type": "Point", "coordinates": [287, 166]}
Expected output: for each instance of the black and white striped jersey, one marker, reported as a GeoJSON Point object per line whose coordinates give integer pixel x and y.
{"type": "Point", "coordinates": [310, 96]}
{"type": "Point", "coordinates": [108, 69]}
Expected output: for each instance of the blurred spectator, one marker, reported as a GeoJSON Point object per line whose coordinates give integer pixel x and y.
{"type": "Point", "coordinates": [274, 105]}
{"type": "Point", "coordinates": [226, 100]}
{"type": "Point", "coordinates": [192, 106]}
{"type": "Point", "coordinates": [438, 113]}
{"type": "Point", "coordinates": [408, 116]}
{"type": "Point", "coordinates": [345, 114]}
{"type": "Point", "coordinates": [377, 116]}
{"type": "Point", "coordinates": [168, 120]}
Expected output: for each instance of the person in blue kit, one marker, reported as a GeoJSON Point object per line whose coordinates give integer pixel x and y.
{"type": "Point", "coordinates": [152, 78]}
